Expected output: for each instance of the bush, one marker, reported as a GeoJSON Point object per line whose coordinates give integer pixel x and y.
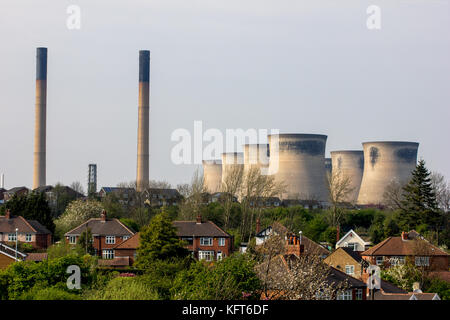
{"type": "Point", "coordinates": [441, 287]}
{"type": "Point", "coordinates": [52, 293]}
{"type": "Point", "coordinates": [125, 288]}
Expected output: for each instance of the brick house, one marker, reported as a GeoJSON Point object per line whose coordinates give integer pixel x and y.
{"type": "Point", "coordinates": [28, 231]}
{"type": "Point", "coordinates": [124, 253]}
{"type": "Point", "coordinates": [19, 191]}
{"type": "Point", "coordinates": [205, 240]}
{"type": "Point", "coordinates": [106, 234]}
{"type": "Point", "coordinates": [409, 247]}
{"type": "Point", "coordinates": [347, 260]}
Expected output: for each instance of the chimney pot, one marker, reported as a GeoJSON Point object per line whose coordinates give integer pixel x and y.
{"type": "Point", "coordinates": [103, 215]}
{"type": "Point", "coordinates": [199, 219]}
{"type": "Point", "coordinates": [8, 214]}
{"type": "Point", "coordinates": [404, 235]}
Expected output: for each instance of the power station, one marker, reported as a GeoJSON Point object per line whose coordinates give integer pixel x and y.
{"type": "Point", "coordinates": [296, 160]}
{"type": "Point", "coordinates": [349, 164]}
{"type": "Point", "coordinates": [385, 162]}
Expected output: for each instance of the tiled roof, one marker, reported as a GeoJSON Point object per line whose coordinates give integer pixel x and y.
{"type": "Point", "coordinates": [388, 287]}
{"type": "Point", "coordinates": [36, 257]}
{"type": "Point", "coordinates": [354, 254]}
{"type": "Point", "coordinates": [131, 243]}
{"type": "Point", "coordinates": [204, 229]}
{"type": "Point", "coordinates": [396, 246]}
{"type": "Point", "coordinates": [98, 227]}
{"type": "Point", "coordinates": [24, 226]}
{"type": "Point", "coordinates": [116, 262]}
{"type": "Point", "coordinates": [15, 189]}
{"type": "Point", "coordinates": [403, 296]}
{"type": "Point", "coordinates": [339, 276]}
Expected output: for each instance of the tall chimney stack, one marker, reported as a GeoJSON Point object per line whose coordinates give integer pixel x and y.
{"type": "Point", "coordinates": [142, 177]}
{"type": "Point", "coordinates": [2, 181]}
{"type": "Point", "coordinates": [40, 119]}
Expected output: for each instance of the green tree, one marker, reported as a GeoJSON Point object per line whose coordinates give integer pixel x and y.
{"type": "Point", "coordinates": [159, 241]}
{"type": "Point", "coordinates": [33, 206]}
{"type": "Point", "coordinates": [419, 204]}
{"type": "Point", "coordinates": [85, 242]}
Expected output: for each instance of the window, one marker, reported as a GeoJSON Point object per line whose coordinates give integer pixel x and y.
{"type": "Point", "coordinates": [346, 295]}
{"type": "Point", "coordinates": [221, 242]}
{"type": "Point", "coordinates": [28, 237]}
{"type": "Point", "coordinates": [206, 241]}
{"type": "Point", "coordinates": [359, 294]}
{"type": "Point", "coordinates": [397, 260]}
{"type": "Point", "coordinates": [188, 240]}
{"type": "Point", "coordinates": [350, 269]}
{"type": "Point", "coordinates": [379, 260]}
{"type": "Point", "coordinates": [72, 239]}
{"type": "Point", "coordinates": [219, 255]}
{"type": "Point", "coordinates": [110, 239]}
{"type": "Point", "coordinates": [353, 246]}
{"type": "Point", "coordinates": [12, 237]}
{"type": "Point", "coordinates": [422, 261]}
{"type": "Point", "coordinates": [108, 254]}
{"type": "Point", "coordinates": [206, 255]}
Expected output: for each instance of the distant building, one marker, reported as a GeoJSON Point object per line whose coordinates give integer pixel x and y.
{"type": "Point", "coordinates": [158, 197]}
{"type": "Point", "coordinates": [29, 231]}
{"type": "Point", "coordinates": [125, 196]}
{"type": "Point", "coordinates": [205, 240]}
{"type": "Point", "coordinates": [107, 234]}
{"type": "Point", "coordinates": [353, 241]}
{"type": "Point", "coordinates": [19, 191]}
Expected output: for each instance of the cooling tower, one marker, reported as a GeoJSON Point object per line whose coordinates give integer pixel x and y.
{"type": "Point", "coordinates": [231, 160]}
{"type": "Point", "coordinates": [212, 175]}
{"type": "Point", "coordinates": [350, 164]}
{"type": "Point", "coordinates": [328, 165]}
{"type": "Point", "coordinates": [256, 155]}
{"type": "Point", "coordinates": [297, 160]}
{"type": "Point", "coordinates": [142, 176]}
{"type": "Point", "coordinates": [385, 161]}
{"type": "Point", "coordinates": [40, 123]}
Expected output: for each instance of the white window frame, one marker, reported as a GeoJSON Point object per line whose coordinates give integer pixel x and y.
{"type": "Point", "coordinates": [222, 242]}
{"type": "Point", "coordinates": [206, 241]}
{"type": "Point", "coordinates": [108, 254]}
{"type": "Point", "coordinates": [345, 295]}
{"type": "Point", "coordinates": [220, 255]}
{"type": "Point", "coordinates": [110, 239]}
{"type": "Point", "coordinates": [379, 260]}
{"type": "Point", "coordinates": [359, 294]}
{"type": "Point", "coordinates": [207, 255]}
{"type": "Point", "coordinates": [12, 237]}
{"type": "Point", "coordinates": [352, 269]}
{"type": "Point", "coordinates": [422, 261]}
{"type": "Point", "coordinates": [72, 239]}
{"type": "Point", "coordinates": [28, 237]}
{"type": "Point", "coordinates": [397, 260]}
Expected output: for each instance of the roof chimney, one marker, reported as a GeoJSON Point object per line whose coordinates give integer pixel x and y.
{"type": "Point", "coordinates": [8, 214]}
{"type": "Point", "coordinates": [199, 219]}
{"type": "Point", "coordinates": [404, 235]}
{"type": "Point", "coordinates": [258, 226]}
{"type": "Point", "coordinates": [103, 215]}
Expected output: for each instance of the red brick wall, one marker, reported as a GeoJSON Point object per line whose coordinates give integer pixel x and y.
{"type": "Point", "coordinates": [125, 253]}
{"type": "Point", "coordinates": [226, 250]}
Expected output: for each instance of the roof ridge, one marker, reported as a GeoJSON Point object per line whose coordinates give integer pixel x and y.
{"type": "Point", "coordinates": [79, 226]}
{"type": "Point", "coordinates": [377, 246]}
{"type": "Point", "coordinates": [220, 229]}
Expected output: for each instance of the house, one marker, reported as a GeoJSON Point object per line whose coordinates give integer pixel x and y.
{"type": "Point", "coordinates": [204, 239]}
{"type": "Point", "coordinates": [9, 255]}
{"type": "Point", "coordinates": [277, 228]}
{"type": "Point", "coordinates": [265, 202]}
{"type": "Point", "coordinates": [124, 253]}
{"type": "Point", "coordinates": [352, 240]}
{"type": "Point", "coordinates": [410, 246]}
{"type": "Point", "coordinates": [355, 289]}
{"type": "Point", "coordinates": [347, 260]}
{"type": "Point", "coordinates": [106, 233]}
{"type": "Point", "coordinates": [157, 197]}
{"type": "Point", "coordinates": [19, 191]}
{"type": "Point", "coordinates": [307, 204]}
{"type": "Point", "coordinates": [25, 231]}
{"type": "Point", "coordinates": [52, 195]}
{"type": "Point", "coordinates": [125, 196]}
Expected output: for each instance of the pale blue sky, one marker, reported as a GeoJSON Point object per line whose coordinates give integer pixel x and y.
{"type": "Point", "coordinates": [297, 66]}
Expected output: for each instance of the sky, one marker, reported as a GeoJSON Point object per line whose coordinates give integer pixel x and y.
{"type": "Point", "coordinates": [309, 66]}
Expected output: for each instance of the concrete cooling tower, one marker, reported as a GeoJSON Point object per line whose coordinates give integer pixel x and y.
{"type": "Point", "coordinates": [384, 162]}
{"type": "Point", "coordinates": [256, 155]}
{"type": "Point", "coordinates": [212, 175]}
{"type": "Point", "coordinates": [231, 160]}
{"type": "Point", "coordinates": [298, 160]}
{"type": "Point", "coordinates": [349, 163]}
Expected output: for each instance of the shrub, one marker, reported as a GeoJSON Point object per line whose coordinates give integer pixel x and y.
{"type": "Point", "coordinates": [125, 288]}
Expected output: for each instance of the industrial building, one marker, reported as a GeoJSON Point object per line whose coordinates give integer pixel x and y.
{"type": "Point", "coordinates": [349, 164]}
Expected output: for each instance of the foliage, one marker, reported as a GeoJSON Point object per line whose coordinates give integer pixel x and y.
{"type": "Point", "coordinates": [85, 242]}
{"type": "Point", "coordinates": [124, 288]}
{"type": "Point", "coordinates": [49, 293]}
{"type": "Point", "coordinates": [130, 223]}
{"type": "Point", "coordinates": [233, 278]}
{"type": "Point", "coordinates": [77, 212]}
{"type": "Point", "coordinates": [62, 249]}
{"type": "Point", "coordinates": [403, 275]}
{"type": "Point", "coordinates": [159, 241]}
{"type": "Point", "coordinates": [33, 206]}
{"type": "Point", "coordinates": [441, 287]}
